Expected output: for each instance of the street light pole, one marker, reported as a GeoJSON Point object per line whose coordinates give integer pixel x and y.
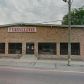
{"type": "Point", "coordinates": [69, 31]}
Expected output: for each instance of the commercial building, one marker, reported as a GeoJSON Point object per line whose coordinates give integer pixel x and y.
{"type": "Point", "coordinates": [44, 41]}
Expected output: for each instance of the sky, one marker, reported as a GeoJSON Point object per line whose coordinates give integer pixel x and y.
{"type": "Point", "coordinates": [35, 11]}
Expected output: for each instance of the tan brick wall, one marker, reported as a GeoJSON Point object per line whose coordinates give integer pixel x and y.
{"type": "Point", "coordinates": [44, 34]}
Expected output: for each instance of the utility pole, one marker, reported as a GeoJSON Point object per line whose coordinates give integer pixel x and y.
{"type": "Point", "coordinates": [69, 31]}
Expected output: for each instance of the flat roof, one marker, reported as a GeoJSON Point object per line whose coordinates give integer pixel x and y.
{"type": "Point", "coordinates": [40, 24]}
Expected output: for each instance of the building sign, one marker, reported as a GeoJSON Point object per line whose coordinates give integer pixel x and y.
{"type": "Point", "coordinates": [22, 29]}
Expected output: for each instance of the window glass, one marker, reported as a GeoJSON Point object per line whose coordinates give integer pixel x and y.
{"type": "Point", "coordinates": [47, 48]}
{"type": "Point", "coordinates": [75, 48]}
{"type": "Point", "coordinates": [29, 48]}
{"type": "Point", "coordinates": [15, 48]}
{"type": "Point", "coordinates": [63, 48]}
{"type": "Point", "coordinates": [2, 48]}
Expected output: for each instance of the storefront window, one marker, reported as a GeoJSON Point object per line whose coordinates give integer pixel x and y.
{"type": "Point", "coordinates": [15, 48]}
{"type": "Point", "coordinates": [47, 48]}
{"type": "Point", "coordinates": [29, 48]}
{"type": "Point", "coordinates": [2, 48]}
{"type": "Point", "coordinates": [75, 48]}
{"type": "Point", "coordinates": [63, 48]}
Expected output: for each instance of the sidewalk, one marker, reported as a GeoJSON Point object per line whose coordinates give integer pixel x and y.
{"type": "Point", "coordinates": [44, 64]}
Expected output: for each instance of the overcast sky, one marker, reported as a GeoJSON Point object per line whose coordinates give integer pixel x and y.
{"type": "Point", "coordinates": [36, 11]}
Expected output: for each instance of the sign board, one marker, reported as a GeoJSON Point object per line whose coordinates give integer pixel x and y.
{"type": "Point", "coordinates": [21, 29]}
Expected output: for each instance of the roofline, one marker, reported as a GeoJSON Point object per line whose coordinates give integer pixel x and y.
{"type": "Point", "coordinates": [40, 24]}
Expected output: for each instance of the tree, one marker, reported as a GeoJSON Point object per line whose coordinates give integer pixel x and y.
{"type": "Point", "coordinates": [77, 17]}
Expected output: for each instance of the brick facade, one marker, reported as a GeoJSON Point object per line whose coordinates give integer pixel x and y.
{"type": "Point", "coordinates": [45, 33]}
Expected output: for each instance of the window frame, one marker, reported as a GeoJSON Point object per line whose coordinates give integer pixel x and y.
{"type": "Point", "coordinates": [31, 48]}
{"type": "Point", "coordinates": [75, 53]}
{"type": "Point", "coordinates": [53, 50]}
{"type": "Point", "coordinates": [61, 52]}
{"type": "Point", "coordinates": [2, 51]}
{"type": "Point", "coordinates": [12, 50]}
